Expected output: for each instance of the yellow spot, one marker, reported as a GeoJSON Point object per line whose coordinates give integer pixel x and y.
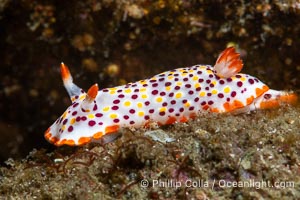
{"type": "Point", "coordinates": [113, 115]}
{"type": "Point", "coordinates": [91, 116]}
{"type": "Point", "coordinates": [178, 95]}
{"type": "Point", "coordinates": [187, 104]}
{"type": "Point", "coordinates": [141, 114]}
{"type": "Point", "coordinates": [73, 120]}
{"type": "Point", "coordinates": [227, 89]}
{"type": "Point", "coordinates": [233, 78]}
{"type": "Point", "coordinates": [144, 96]}
{"type": "Point", "coordinates": [162, 109]}
{"type": "Point", "coordinates": [197, 85]}
{"type": "Point", "coordinates": [170, 77]}
{"type": "Point", "coordinates": [243, 78]}
{"type": "Point", "coordinates": [191, 71]}
{"type": "Point", "coordinates": [153, 79]}
{"type": "Point", "coordinates": [143, 81]}
{"type": "Point", "coordinates": [64, 115]}
{"type": "Point", "coordinates": [202, 94]}
{"type": "Point", "coordinates": [209, 72]}
{"type": "Point", "coordinates": [73, 98]}
{"type": "Point", "coordinates": [139, 105]}
{"type": "Point", "coordinates": [159, 99]}
{"type": "Point", "coordinates": [127, 90]}
{"type": "Point", "coordinates": [179, 83]}
{"type": "Point", "coordinates": [184, 74]}
{"type": "Point", "coordinates": [105, 109]}
{"type": "Point", "coordinates": [168, 88]}
{"type": "Point", "coordinates": [143, 89]}
{"type": "Point", "coordinates": [214, 91]}
{"type": "Point", "coordinates": [127, 103]}
{"type": "Point", "coordinates": [63, 127]}
{"type": "Point", "coordinates": [81, 97]}
{"type": "Point", "coordinates": [214, 82]}
{"type": "Point", "coordinates": [195, 78]}
{"type": "Point", "coordinates": [112, 92]}
{"type": "Point", "coordinates": [202, 67]}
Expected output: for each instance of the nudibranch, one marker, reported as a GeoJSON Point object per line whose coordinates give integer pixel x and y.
{"type": "Point", "coordinates": [172, 96]}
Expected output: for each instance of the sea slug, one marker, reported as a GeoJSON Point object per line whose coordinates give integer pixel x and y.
{"type": "Point", "coordinates": [172, 96]}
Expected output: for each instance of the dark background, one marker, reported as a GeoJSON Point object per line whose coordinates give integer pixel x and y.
{"type": "Point", "coordinates": [113, 42]}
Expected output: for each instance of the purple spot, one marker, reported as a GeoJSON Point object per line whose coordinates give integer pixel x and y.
{"type": "Point", "coordinates": [211, 85]}
{"type": "Point", "coordinates": [203, 103]}
{"type": "Point", "coordinates": [173, 102]}
{"type": "Point", "coordinates": [239, 84]}
{"type": "Point", "coordinates": [76, 104]}
{"type": "Point", "coordinates": [65, 121]}
{"type": "Point", "coordinates": [105, 90]}
{"type": "Point", "coordinates": [136, 90]}
{"type": "Point", "coordinates": [220, 95]}
{"type": "Point", "coordinates": [118, 91]}
{"type": "Point", "coordinates": [92, 123]}
{"type": "Point", "coordinates": [145, 85]}
{"type": "Point", "coordinates": [121, 95]}
{"type": "Point", "coordinates": [209, 94]}
{"type": "Point", "coordinates": [206, 88]}
{"type": "Point", "coordinates": [83, 118]}
{"type": "Point", "coordinates": [227, 99]}
{"type": "Point", "coordinates": [191, 108]}
{"type": "Point", "coordinates": [221, 82]}
{"type": "Point", "coordinates": [171, 110]}
{"type": "Point", "coordinates": [99, 114]}
{"type": "Point", "coordinates": [162, 94]}
{"type": "Point", "coordinates": [147, 103]}
{"type": "Point", "coordinates": [132, 111]}
{"type": "Point", "coordinates": [70, 129]}
{"type": "Point", "coordinates": [185, 79]}
{"type": "Point", "coordinates": [100, 123]}
{"type": "Point", "coordinates": [210, 76]}
{"type": "Point", "coordinates": [95, 107]}
{"type": "Point", "coordinates": [188, 86]}
{"type": "Point", "coordinates": [154, 84]}
{"type": "Point", "coordinates": [251, 81]}
{"type": "Point", "coordinates": [165, 104]}
{"type": "Point", "coordinates": [176, 79]}
{"type": "Point", "coordinates": [151, 111]}
{"type": "Point", "coordinates": [115, 107]}
{"type": "Point", "coordinates": [116, 101]}
{"type": "Point", "coordinates": [198, 89]}
{"type": "Point", "coordinates": [199, 72]}
{"type": "Point", "coordinates": [233, 94]}
{"type": "Point", "coordinates": [168, 84]}
{"type": "Point", "coordinates": [78, 119]}
{"type": "Point", "coordinates": [181, 109]}
{"type": "Point", "coordinates": [191, 75]}
{"type": "Point", "coordinates": [200, 80]}
{"type": "Point", "coordinates": [191, 92]}
{"type": "Point", "coordinates": [161, 79]}
{"type": "Point", "coordinates": [162, 113]}
{"type": "Point", "coordinates": [196, 99]}
{"type": "Point", "coordinates": [208, 81]}
{"type": "Point", "coordinates": [131, 122]}
{"type": "Point", "coordinates": [116, 120]}
{"type": "Point", "coordinates": [210, 102]}
{"type": "Point", "coordinates": [134, 96]}
{"type": "Point", "coordinates": [146, 117]}
{"type": "Point", "coordinates": [155, 92]}
{"type": "Point", "coordinates": [267, 96]}
{"type": "Point", "coordinates": [126, 117]}
{"type": "Point", "coordinates": [152, 81]}
{"type": "Point", "coordinates": [229, 79]}
{"type": "Point", "coordinates": [177, 87]}
{"type": "Point", "coordinates": [74, 113]}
